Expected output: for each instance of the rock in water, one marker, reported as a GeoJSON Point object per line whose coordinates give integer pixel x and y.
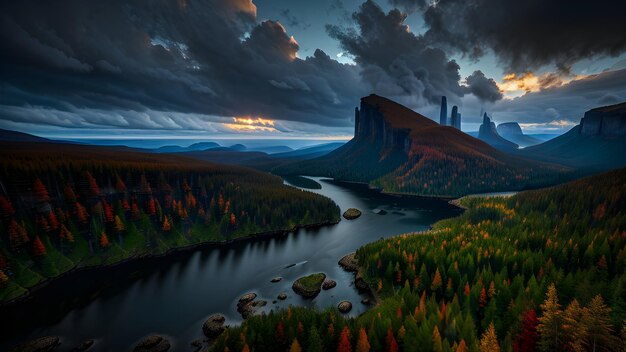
{"type": "Point", "coordinates": [245, 299]}
{"type": "Point", "coordinates": [282, 296]}
{"type": "Point", "coordinates": [344, 306]}
{"type": "Point", "coordinates": [352, 213]}
{"type": "Point", "coordinates": [214, 326]}
{"type": "Point", "coordinates": [349, 262]}
{"type": "Point", "coordinates": [328, 284]}
{"type": "Point", "coordinates": [309, 286]}
{"type": "Point", "coordinates": [85, 346]}
{"type": "Point", "coordinates": [153, 343]}
{"type": "Point", "coordinates": [276, 279]}
{"type": "Point", "coordinates": [42, 344]}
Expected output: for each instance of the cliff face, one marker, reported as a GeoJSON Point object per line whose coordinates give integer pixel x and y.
{"type": "Point", "coordinates": [511, 128]}
{"type": "Point", "coordinates": [373, 126]}
{"type": "Point", "coordinates": [489, 134]}
{"type": "Point", "coordinates": [608, 121]}
{"type": "Point", "coordinates": [513, 132]}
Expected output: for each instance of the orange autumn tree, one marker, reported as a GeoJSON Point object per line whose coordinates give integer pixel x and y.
{"type": "Point", "coordinates": [41, 192]}
{"type": "Point", "coordinates": [166, 225]}
{"type": "Point", "coordinates": [363, 344]}
{"type": "Point", "coordinates": [104, 240]}
{"type": "Point", "coordinates": [295, 346]}
{"type": "Point", "coordinates": [17, 235]}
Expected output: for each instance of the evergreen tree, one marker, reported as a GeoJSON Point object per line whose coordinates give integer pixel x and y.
{"type": "Point", "coordinates": [489, 340]}
{"type": "Point", "coordinates": [363, 344]}
{"type": "Point", "coordinates": [550, 322]}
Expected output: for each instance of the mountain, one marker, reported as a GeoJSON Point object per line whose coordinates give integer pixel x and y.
{"type": "Point", "coordinates": [14, 136]}
{"type": "Point", "coordinates": [488, 133]}
{"type": "Point", "coordinates": [597, 143]}
{"type": "Point", "coordinates": [310, 151]}
{"type": "Point", "coordinates": [513, 132]}
{"type": "Point", "coordinates": [191, 148]}
{"type": "Point", "coordinates": [399, 150]}
{"type": "Point", "coordinates": [272, 149]}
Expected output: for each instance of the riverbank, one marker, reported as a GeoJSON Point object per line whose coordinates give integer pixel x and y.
{"type": "Point", "coordinates": [175, 250]}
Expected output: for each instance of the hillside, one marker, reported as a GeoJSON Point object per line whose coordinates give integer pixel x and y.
{"type": "Point", "coordinates": [399, 150]}
{"type": "Point", "coordinates": [597, 143]}
{"type": "Point", "coordinates": [64, 206]}
{"type": "Point", "coordinates": [14, 136]}
{"type": "Point", "coordinates": [510, 272]}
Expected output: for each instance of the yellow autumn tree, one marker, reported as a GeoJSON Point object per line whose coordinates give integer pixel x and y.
{"type": "Point", "coordinates": [295, 346]}
{"type": "Point", "coordinates": [437, 281]}
{"type": "Point", "coordinates": [550, 322]}
{"type": "Point", "coordinates": [489, 340]}
{"type": "Point", "coordinates": [363, 344]}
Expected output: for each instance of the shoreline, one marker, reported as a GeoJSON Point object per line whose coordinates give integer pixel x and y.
{"type": "Point", "coordinates": [12, 303]}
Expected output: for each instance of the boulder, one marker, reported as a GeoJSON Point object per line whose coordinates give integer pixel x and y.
{"type": "Point", "coordinates": [360, 282]}
{"type": "Point", "coordinates": [366, 301]}
{"type": "Point", "coordinates": [153, 343]}
{"type": "Point", "coordinates": [276, 279]}
{"type": "Point", "coordinates": [197, 345]}
{"type": "Point", "coordinates": [251, 308]}
{"type": "Point", "coordinates": [352, 213]}
{"type": "Point", "coordinates": [42, 344]}
{"type": "Point", "coordinates": [282, 296]}
{"type": "Point", "coordinates": [245, 299]}
{"type": "Point", "coordinates": [344, 306]}
{"type": "Point", "coordinates": [328, 284]}
{"type": "Point", "coordinates": [349, 262]}
{"type": "Point", "coordinates": [214, 325]}
{"type": "Point", "coordinates": [309, 286]}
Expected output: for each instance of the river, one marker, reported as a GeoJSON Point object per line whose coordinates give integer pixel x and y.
{"type": "Point", "coordinates": [172, 296]}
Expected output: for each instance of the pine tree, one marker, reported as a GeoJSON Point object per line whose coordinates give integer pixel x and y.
{"type": "Point", "coordinates": [489, 340]}
{"type": "Point", "coordinates": [550, 322]}
{"type": "Point", "coordinates": [39, 250]}
{"type": "Point", "coordinates": [482, 300]}
{"type": "Point", "coordinates": [119, 225]}
{"type": "Point", "coordinates": [462, 347]}
{"type": "Point", "coordinates": [6, 209]}
{"type": "Point", "coordinates": [314, 342]}
{"type": "Point", "coordinates": [437, 346]}
{"type": "Point", "coordinates": [17, 235]}
{"type": "Point", "coordinates": [344, 341]}
{"type": "Point", "coordinates": [295, 346]}
{"type": "Point", "coordinates": [40, 191]}
{"type": "Point", "coordinates": [65, 234]}
{"type": "Point", "coordinates": [437, 281]}
{"type": "Point", "coordinates": [363, 344]}
{"type": "Point", "coordinates": [392, 345]}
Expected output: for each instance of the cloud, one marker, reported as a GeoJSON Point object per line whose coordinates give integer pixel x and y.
{"type": "Point", "coordinates": [165, 64]}
{"type": "Point", "coordinates": [485, 89]}
{"type": "Point", "coordinates": [526, 35]}
{"type": "Point", "coordinates": [395, 62]}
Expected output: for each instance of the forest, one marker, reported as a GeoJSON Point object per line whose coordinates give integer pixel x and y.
{"type": "Point", "coordinates": [68, 206]}
{"type": "Point", "coordinates": [543, 270]}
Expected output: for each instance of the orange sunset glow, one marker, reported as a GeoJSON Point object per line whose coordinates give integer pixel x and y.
{"type": "Point", "coordinates": [251, 124]}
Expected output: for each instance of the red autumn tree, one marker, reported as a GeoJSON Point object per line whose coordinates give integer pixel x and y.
{"type": "Point", "coordinates": [233, 219]}
{"type": "Point", "coordinates": [40, 191]}
{"type": "Point", "coordinates": [151, 206]}
{"type": "Point", "coordinates": [39, 250]}
{"type": "Point", "coordinates": [344, 341]}
{"type": "Point", "coordinates": [6, 209]}
{"type": "Point", "coordinates": [53, 221]}
{"type": "Point", "coordinates": [527, 338]}
{"type": "Point", "coordinates": [70, 195]}
{"type": "Point", "coordinates": [108, 211]}
{"type": "Point", "coordinates": [363, 344]}
{"type": "Point", "coordinates": [81, 213]}
{"type": "Point", "coordinates": [94, 189]}
{"type": "Point", "coordinates": [392, 344]}
{"type": "Point", "coordinates": [482, 300]}
{"type": "Point", "coordinates": [119, 185]}
{"type": "Point", "coordinates": [66, 234]}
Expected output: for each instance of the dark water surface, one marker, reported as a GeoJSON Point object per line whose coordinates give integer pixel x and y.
{"type": "Point", "coordinates": [173, 296]}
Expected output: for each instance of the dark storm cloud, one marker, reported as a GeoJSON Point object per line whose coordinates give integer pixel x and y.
{"type": "Point", "coordinates": [394, 61]}
{"type": "Point", "coordinates": [147, 63]}
{"type": "Point", "coordinates": [409, 5]}
{"type": "Point", "coordinates": [485, 89]}
{"type": "Point", "coordinates": [525, 35]}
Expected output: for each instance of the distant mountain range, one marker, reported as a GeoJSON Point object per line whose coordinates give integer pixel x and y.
{"type": "Point", "coordinates": [399, 150]}
{"type": "Point", "coordinates": [513, 132]}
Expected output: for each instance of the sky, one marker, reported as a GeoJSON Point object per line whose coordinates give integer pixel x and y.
{"type": "Point", "coordinates": [279, 69]}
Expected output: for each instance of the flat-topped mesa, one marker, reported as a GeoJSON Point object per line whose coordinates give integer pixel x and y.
{"type": "Point", "coordinates": [488, 133]}
{"type": "Point", "coordinates": [389, 123]}
{"type": "Point", "coordinates": [608, 121]}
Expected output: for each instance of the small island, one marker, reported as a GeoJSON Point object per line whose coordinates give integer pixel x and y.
{"type": "Point", "coordinates": [352, 214]}
{"type": "Point", "coordinates": [309, 286]}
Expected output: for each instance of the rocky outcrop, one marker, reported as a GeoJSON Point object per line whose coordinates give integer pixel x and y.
{"type": "Point", "coordinates": [372, 126]}
{"type": "Point", "coordinates": [309, 286]}
{"type": "Point", "coordinates": [42, 344]}
{"type": "Point", "coordinates": [214, 326]}
{"type": "Point", "coordinates": [352, 214]}
{"type": "Point", "coordinates": [513, 132]}
{"type": "Point", "coordinates": [488, 134]}
{"type": "Point", "coordinates": [153, 343]}
{"type": "Point", "coordinates": [443, 112]}
{"type": "Point", "coordinates": [607, 121]}
{"type": "Point", "coordinates": [349, 262]}
{"type": "Point", "coordinates": [328, 284]}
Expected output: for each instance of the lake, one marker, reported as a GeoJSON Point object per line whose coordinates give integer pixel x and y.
{"type": "Point", "coordinates": [174, 295]}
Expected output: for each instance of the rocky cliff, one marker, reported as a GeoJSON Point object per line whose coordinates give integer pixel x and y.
{"type": "Point", "coordinates": [488, 133]}
{"type": "Point", "coordinates": [379, 121]}
{"type": "Point", "coordinates": [513, 132]}
{"type": "Point", "coordinates": [608, 121]}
